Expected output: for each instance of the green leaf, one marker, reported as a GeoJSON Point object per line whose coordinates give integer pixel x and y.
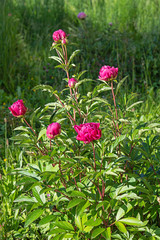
{"type": "Point", "coordinates": [121, 227]}
{"type": "Point", "coordinates": [56, 230]}
{"type": "Point", "coordinates": [23, 198]}
{"type": "Point", "coordinates": [77, 194]}
{"type": "Point", "coordinates": [40, 197]}
{"type": "Point", "coordinates": [56, 59]}
{"type": "Point", "coordinates": [64, 225]}
{"type": "Point", "coordinates": [93, 222]}
{"type": "Point", "coordinates": [119, 84]}
{"type": "Point", "coordinates": [33, 216]}
{"type": "Point", "coordinates": [134, 104]}
{"type": "Point", "coordinates": [47, 219]}
{"type": "Point", "coordinates": [83, 81]}
{"type": "Point", "coordinates": [81, 207]}
{"type": "Point", "coordinates": [44, 88]}
{"type": "Point", "coordinates": [41, 133]}
{"type": "Point", "coordinates": [74, 203]}
{"type": "Point", "coordinates": [117, 142]}
{"type": "Point", "coordinates": [107, 234]}
{"type": "Point", "coordinates": [73, 55]}
{"type": "Point", "coordinates": [97, 232]}
{"type": "Point", "coordinates": [131, 221]}
{"type": "Point", "coordinates": [120, 213]}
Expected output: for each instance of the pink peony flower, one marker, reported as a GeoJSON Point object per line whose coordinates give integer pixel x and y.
{"type": "Point", "coordinates": [53, 129]}
{"type": "Point", "coordinates": [108, 73]}
{"type": "Point", "coordinates": [18, 108]}
{"type": "Point", "coordinates": [88, 132]}
{"type": "Point", "coordinates": [72, 82]}
{"type": "Point", "coordinates": [59, 36]}
{"type": "Point", "coordinates": [81, 15]}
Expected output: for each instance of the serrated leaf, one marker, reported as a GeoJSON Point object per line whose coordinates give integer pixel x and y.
{"type": "Point", "coordinates": [121, 227]}
{"type": "Point", "coordinates": [97, 232]}
{"type": "Point", "coordinates": [33, 216]}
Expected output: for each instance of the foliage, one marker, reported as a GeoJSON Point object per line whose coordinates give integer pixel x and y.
{"type": "Point", "coordinates": [65, 189]}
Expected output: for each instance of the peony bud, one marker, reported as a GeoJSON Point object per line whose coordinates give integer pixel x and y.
{"type": "Point", "coordinates": [72, 82]}
{"type": "Point", "coordinates": [53, 129]}
{"type": "Point", "coordinates": [108, 73]}
{"type": "Point", "coordinates": [59, 36]}
{"type": "Point", "coordinates": [18, 108]}
{"type": "Point", "coordinates": [81, 15]}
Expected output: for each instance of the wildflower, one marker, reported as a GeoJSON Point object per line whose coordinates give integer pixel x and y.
{"type": "Point", "coordinates": [53, 129]}
{"type": "Point", "coordinates": [5, 160]}
{"type": "Point", "coordinates": [108, 73]}
{"type": "Point", "coordinates": [110, 24]}
{"type": "Point", "coordinates": [18, 108]}
{"type": "Point", "coordinates": [9, 14]}
{"type": "Point", "coordinates": [81, 15]}
{"type": "Point", "coordinates": [88, 132]}
{"type": "Point", "coordinates": [72, 82]}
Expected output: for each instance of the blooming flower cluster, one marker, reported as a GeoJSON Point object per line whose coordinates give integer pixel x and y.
{"type": "Point", "coordinates": [59, 36]}
{"type": "Point", "coordinates": [88, 132]}
{"type": "Point", "coordinates": [108, 73]}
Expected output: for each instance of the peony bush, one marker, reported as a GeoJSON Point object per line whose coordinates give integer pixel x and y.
{"type": "Point", "coordinates": [86, 178]}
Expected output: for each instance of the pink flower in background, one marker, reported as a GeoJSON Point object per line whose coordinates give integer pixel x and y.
{"type": "Point", "coordinates": [53, 129]}
{"type": "Point", "coordinates": [59, 35]}
{"type": "Point", "coordinates": [110, 24]}
{"type": "Point", "coordinates": [9, 14]}
{"type": "Point", "coordinates": [108, 73]}
{"type": "Point", "coordinates": [81, 15]}
{"type": "Point", "coordinates": [88, 132]}
{"type": "Point", "coordinates": [72, 82]}
{"type": "Point", "coordinates": [18, 108]}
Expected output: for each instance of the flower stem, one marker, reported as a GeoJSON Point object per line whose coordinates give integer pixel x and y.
{"type": "Point", "coordinates": [94, 156]}
{"type": "Point", "coordinates": [114, 100]}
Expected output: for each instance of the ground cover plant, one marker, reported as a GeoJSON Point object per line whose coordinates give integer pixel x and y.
{"type": "Point", "coordinates": [88, 169]}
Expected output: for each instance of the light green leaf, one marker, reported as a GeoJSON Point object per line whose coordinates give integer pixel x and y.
{"type": "Point", "coordinates": [23, 198]}
{"type": "Point", "coordinates": [121, 227]}
{"type": "Point", "coordinates": [73, 55]}
{"type": "Point", "coordinates": [93, 222]}
{"type": "Point", "coordinates": [33, 216]}
{"type": "Point", "coordinates": [107, 234]}
{"type": "Point", "coordinates": [134, 104]}
{"type": "Point", "coordinates": [74, 203]}
{"type": "Point", "coordinates": [120, 84]}
{"type": "Point", "coordinates": [131, 221]}
{"type": "Point", "coordinates": [41, 133]}
{"type": "Point", "coordinates": [97, 232]}
{"type": "Point", "coordinates": [64, 225]}
{"type": "Point", "coordinates": [44, 88]}
{"type": "Point", "coordinates": [47, 219]}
